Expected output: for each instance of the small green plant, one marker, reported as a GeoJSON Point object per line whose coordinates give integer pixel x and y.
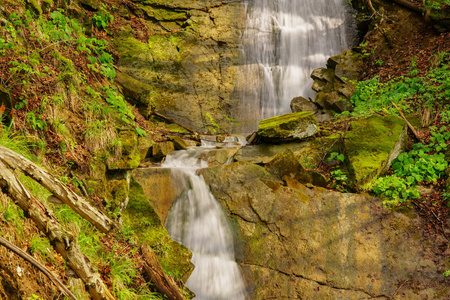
{"type": "Point", "coordinates": [335, 155]}
{"type": "Point", "coordinates": [103, 18]}
{"type": "Point", "coordinates": [446, 273]}
{"type": "Point", "coordinates": [379, 62]}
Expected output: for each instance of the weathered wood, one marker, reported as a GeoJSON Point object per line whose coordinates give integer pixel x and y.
{"type": "Point", "coordinates": [61, 240]}
{"type": "Point", "coordinates": [58, 189]}
{"type": "Point", "coordinates": [39, 266]}
{"type": "Point", "coordinates": [407, 122]}
{"type": "Point", "coordinates": [153, 270]}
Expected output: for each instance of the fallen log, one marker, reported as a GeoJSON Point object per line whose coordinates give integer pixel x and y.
{"type": "Point", "coordinates": [62, 241]}
{"type": "Point", "coordinates": [76, 203]}
{"type": "Point", "coordinates": [407, 122]}
{"type": "Point", "coordinates": [409, 5]}
{"type": "Point", "coordinates": [39, 266]}
{"type": "Point", "coordinates": [164, 284]}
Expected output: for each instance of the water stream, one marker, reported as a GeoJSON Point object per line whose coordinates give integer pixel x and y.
{"type": "Point", "coordinates": [198, 221]}
{"type": "Point", "coordinates": [283, 42]}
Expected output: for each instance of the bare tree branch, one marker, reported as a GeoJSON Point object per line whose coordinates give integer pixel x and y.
{"type": "Point", "coordinates": [59, 190]}
{"type": "Point", "coordinates": [38, 265]}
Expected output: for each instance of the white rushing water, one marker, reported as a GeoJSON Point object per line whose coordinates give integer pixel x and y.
{"type": "Point", "coordinates": [197, 221]}
{"type": "Point", "coordinates": [283, 42]}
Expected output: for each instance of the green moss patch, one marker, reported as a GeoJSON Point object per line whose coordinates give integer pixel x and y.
{"type": "Point", "coordinates": [372, 144]}
{"type": "Point", "coordinates": [293, 126]}
{"type": "Point", "coordinates": [146, 225]}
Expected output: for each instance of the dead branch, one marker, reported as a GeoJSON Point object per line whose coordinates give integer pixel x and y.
{"type": "Point", "coordinates": [407, 122]}
{"type": "Point", "coordinates": [38, 265]}
{"type": "Point", "coordinates": [59, 190]}
{"type": "Point", "coordinates": [61, 240]}
{"type": "Point", "coordinates": [153, 270]}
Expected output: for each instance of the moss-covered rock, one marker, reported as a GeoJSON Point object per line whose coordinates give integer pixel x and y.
{"type": "Point", "coordinates": [142, 219]}
{"type": "Point", "coordinates": [160, 150]}
{"type": "Point", "coordinates": [372, 144]}
{"type": "Point", "coordinates": [126, 154]}
{"type": "Point", "coordinates": [288, 127]}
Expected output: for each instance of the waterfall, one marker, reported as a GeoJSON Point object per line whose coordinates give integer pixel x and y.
{"type": "Point", "coordinates": [197, 221]}
{"type": "Point", "coordinates": [283, 42]}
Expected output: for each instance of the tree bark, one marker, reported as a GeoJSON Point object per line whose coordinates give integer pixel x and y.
{"type": "Point", "coordinates": [164, 284]}
{"type": "Point", "coordinates": [61, 240]}
{"type": "Point", "coordinates": [59, 190]}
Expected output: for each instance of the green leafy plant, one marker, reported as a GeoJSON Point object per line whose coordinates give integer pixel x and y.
{"type": "Point", "coordinates": [417, 165]}
{"type": "Point", "coordinates": [394, 189]}
{"type": "Point", "coordinates": [103, 18]}
{"type": "Point", "coordinates": [446, 273]}
{"type": "Point", "coordinates": [336, 155]}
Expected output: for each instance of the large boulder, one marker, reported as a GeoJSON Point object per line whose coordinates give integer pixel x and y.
{"type": "Point", "coordinates": [300, 243]}
{"type": "Point", "coordinates": [308, 153]}
{"type": "Point", "coordinates": [372, 144]}
{"type": "Point", "coordinates": [288, 127]}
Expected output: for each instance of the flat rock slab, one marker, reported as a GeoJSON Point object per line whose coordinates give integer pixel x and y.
{"type": "Point", "coordinates": [288, 127]}
{"type": "Point", "coordinates": [296, 242]}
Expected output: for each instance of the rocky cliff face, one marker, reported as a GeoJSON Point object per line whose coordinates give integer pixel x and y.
{"type": "Point", "coordinates": [187, 68]}
{"type": "Point", "coordinates": [296, 242]}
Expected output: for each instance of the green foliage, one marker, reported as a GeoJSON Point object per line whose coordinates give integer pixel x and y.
{"type": "Point", "coordinates": [430, 90]}
{"type": "Point", "coordinates": [336, 155]}
{"type": "Point", "coordinates": [103, 18]}
{"type": "Point", "coordinates": [13, 216]}
{"type": "Point", "coordinates": [216, 127]}
{"type": "Point", "coordinates": [411, 169]}
{"type": "Point", "coordinates": [5, 44]}
{"type": "Point", "coordinates": [395, 188]}
{"type": "Point", "coordinates": [417, 165]}
{"type": "Point", "coordinates": [446, 273]}
{"type": "Point", "coordinates": [40, 246]}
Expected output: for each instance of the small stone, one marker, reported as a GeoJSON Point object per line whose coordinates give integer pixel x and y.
{"type": "Point", "coordinates": [299, 104]}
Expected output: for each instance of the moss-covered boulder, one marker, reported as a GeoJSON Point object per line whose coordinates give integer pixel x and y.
{"type": "Point", "coordinates": [160, 150]}
{"type": "Point", "coordinates": [371, 145]}
{"type": "Point", "coordinates": [146, 225]}
{"type": "Point", "coordinates": [288, 127]}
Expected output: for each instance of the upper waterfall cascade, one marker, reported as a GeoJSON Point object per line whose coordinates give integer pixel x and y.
{"type": "Point", "coordinates": [283, 42]}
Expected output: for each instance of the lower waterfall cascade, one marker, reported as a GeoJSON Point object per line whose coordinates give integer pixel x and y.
{"type": "Point", "coordinates": [198, 221]}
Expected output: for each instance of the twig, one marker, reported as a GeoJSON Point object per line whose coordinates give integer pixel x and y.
{"type": "Point", "coordinates": [38, 265]}
{"type": "Point", "coordinates": [407, 122]}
